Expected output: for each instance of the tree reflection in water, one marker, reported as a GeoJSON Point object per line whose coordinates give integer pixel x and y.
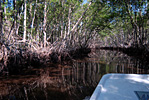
{"type": "Point", "coordinates": [68, 82]}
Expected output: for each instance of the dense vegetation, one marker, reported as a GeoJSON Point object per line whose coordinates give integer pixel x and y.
{"type": "Point", "coordinates": [59, 30]}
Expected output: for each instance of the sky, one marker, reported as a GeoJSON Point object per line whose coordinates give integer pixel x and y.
{"type": "Point", "coordinates": [85, 1]}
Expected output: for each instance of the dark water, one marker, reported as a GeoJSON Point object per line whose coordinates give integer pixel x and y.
{"type": "Point", "coordinates": [70, 82]}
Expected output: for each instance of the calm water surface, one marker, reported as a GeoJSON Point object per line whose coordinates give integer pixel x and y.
{"type": "Point", "coordinates": [69, 82]}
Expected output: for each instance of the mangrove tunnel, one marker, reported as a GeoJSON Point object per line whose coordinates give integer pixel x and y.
{"type": "Point", "coordinates": [60, 49]}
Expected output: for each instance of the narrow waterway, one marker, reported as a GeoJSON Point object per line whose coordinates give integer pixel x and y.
{"type": "Point", "coordinates": [69, 82]}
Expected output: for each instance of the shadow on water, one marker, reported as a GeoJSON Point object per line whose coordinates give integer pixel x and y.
{"type": "Point", "coordinates": [68, 82]}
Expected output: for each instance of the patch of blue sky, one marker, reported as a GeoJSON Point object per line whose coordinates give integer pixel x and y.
{"type": "Point", "coordinates": [84, 2]}
{"type": "Point", "coordinates": [9, 4]}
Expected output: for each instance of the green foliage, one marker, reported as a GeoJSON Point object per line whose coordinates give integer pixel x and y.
{"type": "Point", "coordinates": [106, 17]}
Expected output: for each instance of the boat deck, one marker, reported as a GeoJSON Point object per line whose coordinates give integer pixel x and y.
{"type": "Point", "coordinates": [122, 87]}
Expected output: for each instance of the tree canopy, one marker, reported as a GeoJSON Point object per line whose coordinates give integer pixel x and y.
{"type": "Point", "coordinates": [48, 21]}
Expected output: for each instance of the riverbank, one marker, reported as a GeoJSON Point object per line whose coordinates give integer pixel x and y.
{"type": "Point", "coordinates": [22, 59]}
{"type": "Point", "coordinates": [16, 61]}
